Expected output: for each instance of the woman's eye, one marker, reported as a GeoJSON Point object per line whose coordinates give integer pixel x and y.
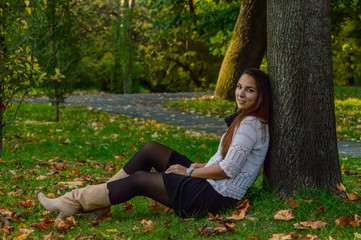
{"type": "Point", "coordinates": [250, 90]}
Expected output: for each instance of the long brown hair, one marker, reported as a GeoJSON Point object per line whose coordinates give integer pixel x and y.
{"type": "Point", "coordinates": [261, 108]}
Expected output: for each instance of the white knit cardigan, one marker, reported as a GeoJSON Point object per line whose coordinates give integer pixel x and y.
{"type": "Point", "coordinates": [244, 158]}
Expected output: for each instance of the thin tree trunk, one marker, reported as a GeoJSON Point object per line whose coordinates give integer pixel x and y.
{"type": "Point", "coordinates": [114, 85]}
{"type": "Point", "coordinates": [303, 150]}
{"type": "Point", "coordinates": [246, 49]}
{"type": "Point", "coordinates": [56, 83]}
{"type": "Point", "coordinates": [1, 120]}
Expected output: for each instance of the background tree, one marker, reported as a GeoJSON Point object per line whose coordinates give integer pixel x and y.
{"type": "Point", "coordinates": [247, 47]}
{"type": "Point", "coordinates": [59, 52]}
{"type": "Point", "coordinates": [303, 149]}
{"type": "Point", "coordinates": [19, 68]}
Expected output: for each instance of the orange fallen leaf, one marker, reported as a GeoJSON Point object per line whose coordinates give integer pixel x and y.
{"type": "Point", "coordinates": [26, 204]}
{"type": "Point", "coordinates": [308, 225]}
{"type": "Point", "coordinates": [280, 236]}
{"type": "Point", "coordinates": [353, 196]}
{"type": "Point", "coordinates": [242, 207]}
{"type": "Point", "coordinates": [284, 215]}
{"type": "Point", "coordinates": [61, 226]}
{"type": "Point", "coordinates": [307, 200]}
{"type": "Point", "coordinates": [128, 207]}
{"type": "Point", "coordinates": [6, 212]}
{"type": "Point", "coordinates": [344, 221]}
{"type": "Point", "coordinates": [341, 187]}
{"type": "Point", "coordinates": [292, 203]}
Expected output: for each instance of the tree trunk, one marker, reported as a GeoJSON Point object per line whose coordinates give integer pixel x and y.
{"type": "Point", "coordinates": [56, 83]}
{"type": "Point", "coordinates": [115, 84]}
{"type": "Point", "coordinates": [303, 149]}
{"type": "Point", "coordinates": [246, 49]}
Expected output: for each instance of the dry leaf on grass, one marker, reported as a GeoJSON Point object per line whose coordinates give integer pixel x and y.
{"type": "Point", "coordinates": [52, 235]}
{"type": "Point", "coordinates": [341, 187]}
{"type": "Point", "coordinates": [24, 234]}
{"type": "Point", "coordinates": [292, 203]}
{"type": "Point", "coordinates": [357, 235]}
{"type": "Point", "coordinates": [281, 236]}
{"type": "Point", "coordinates": [344, 221]}
{"type": "Point", "coordinates": [128, 207]}
{"type": "Point", "coordinates": [240, 213]}
{"type": "Point", "coordinates": [284, 215]}
{"type": "Point", "coordinates": [352, 196]}
{"type": "Point", "coordinates": [308, 225]}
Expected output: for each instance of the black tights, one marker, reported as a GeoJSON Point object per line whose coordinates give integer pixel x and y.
{"type": "Point", "coordinates": [141, 182]}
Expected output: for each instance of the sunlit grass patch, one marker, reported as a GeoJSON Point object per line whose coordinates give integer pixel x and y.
{"type": "Point", "coordinates": [88, 146]}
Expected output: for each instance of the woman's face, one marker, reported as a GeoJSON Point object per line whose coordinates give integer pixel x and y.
{"type": "Point", "coordinates": [246, 92]}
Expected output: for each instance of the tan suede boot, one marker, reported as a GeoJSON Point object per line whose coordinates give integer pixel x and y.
{"type": "Point", "coordinates": [119, 175]}
{"type": "Point", "coordinates": [100, 212]}
{"type": "Point", "coordinates": [87, 199]}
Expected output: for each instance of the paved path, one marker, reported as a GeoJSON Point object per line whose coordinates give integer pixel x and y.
{"type": "Point", "coordinates": [149, 106]}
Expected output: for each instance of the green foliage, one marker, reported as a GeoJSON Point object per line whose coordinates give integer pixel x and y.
{"type": "Point", "coordinates": [346, 44]}
{"type": "Point", "coordinates": [19, 67]}
{"type": "Point", "coordinates": [42, 156]}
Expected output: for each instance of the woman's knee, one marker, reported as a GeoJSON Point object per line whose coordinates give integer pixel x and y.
{"type": "Point", "coordinates": [151, 145]}
{"type": "Point", "coordinates": [140, 178]}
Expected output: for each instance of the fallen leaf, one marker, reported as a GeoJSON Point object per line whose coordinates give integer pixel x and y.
{"type": "Point", "coordinates": [357, 235]}
{"type": "Point", "coordinates": [292, 203]}
{"type": "Point", "coordinates": [147, 224]}
{"type": "Point", "coordinates": [280, 236]}
{"type": "Point", "coordinates": [341, 187]}
{"type": "Point", "coordinates": [308, 225]}
{"type": "Point", "coordinates": [350, 172]}
{"type": "Point", "coordinates": [52, 235]}
{"type": "Point", "coordinates": [26, 204]}
{"type": "Point", "coordinates": [353, 196]}
{"type": "Point", "coordinates": [307, 200]}
{"type": "Point", "coordinates": [61, 226]}
{"type": "Point", "coordinates": [128, 207]}
{"type": "Point", "coordinates": [321, 210]}
{"type": "Point", "coordinates": [242, 207]}
{"type": "Point", "coordinates": [284, 215]}
{"type": "Point", "coordinates": [221, 229]}
{"type": "Point", "coordinates": [41, 177]}
{"type": "Point", "coordinates": [135, 228]}
{"type": "Point", "coordinates": [6, 212]}
{"type": "Point", "coordinates": [24, 234]}
{"type": "Point", "coordinates": [206, 231]}
{"type": "Point", "coordinates": [344, 221]}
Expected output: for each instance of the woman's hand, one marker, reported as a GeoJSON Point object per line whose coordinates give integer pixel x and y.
{"type": "Point", "coordinates": [177, 169]}
{"type": "Point", "coordinates": [198, 165]}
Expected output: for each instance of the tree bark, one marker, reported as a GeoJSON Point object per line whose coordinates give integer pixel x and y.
{"type": "Point", "coordinates": [303, 149]}
{"type": "Point", "coordinates": [246, 49]}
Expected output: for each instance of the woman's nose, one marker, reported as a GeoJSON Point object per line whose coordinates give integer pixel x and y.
{"type": "Point", "coordinates": [241, 92]}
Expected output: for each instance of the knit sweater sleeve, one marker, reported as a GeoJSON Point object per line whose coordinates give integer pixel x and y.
{"type": "Point", "coordinates": [244, 139]}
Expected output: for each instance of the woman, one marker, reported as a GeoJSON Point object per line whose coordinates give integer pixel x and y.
{"type": "Point", "coordinates": [189, 188]}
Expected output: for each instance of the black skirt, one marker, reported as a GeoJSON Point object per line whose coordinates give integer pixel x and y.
{"type": "Point", "coordinates": [193, 197]}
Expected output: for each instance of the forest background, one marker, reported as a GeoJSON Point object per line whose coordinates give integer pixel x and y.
{"type": "Point", "coordinates": [137, 46]}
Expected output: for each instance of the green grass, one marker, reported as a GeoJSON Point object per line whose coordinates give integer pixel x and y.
{"type": "Point", "coordinates": [84, 144]}
{"type": "Point", "coordinates": [347, 110]}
